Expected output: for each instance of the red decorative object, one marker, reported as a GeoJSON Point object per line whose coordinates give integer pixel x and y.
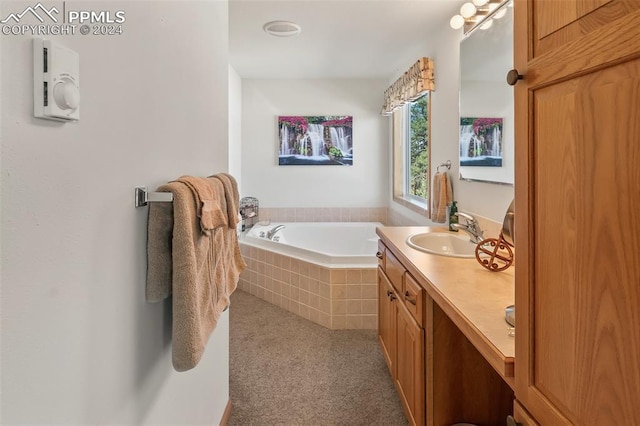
{"type": "Point", "coordinates": [495, 254]}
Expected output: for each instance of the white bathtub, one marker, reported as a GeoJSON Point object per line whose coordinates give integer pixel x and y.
{"type": "Point", "coordinates": [328, 244]}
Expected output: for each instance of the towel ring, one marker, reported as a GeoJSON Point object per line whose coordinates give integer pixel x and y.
{"type": "Point", "coordinates": [446, 164]}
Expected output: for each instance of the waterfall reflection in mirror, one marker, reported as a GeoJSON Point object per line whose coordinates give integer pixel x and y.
{"type": "Point", "coordinates": [486, 142]}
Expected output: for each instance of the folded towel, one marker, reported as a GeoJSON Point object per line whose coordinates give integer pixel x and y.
{"type": "Point", "coordinates": [200, 271]}
{"type": "Point", "coordinates": [442, 197]}
{"type": "Point", "coordinates": [232, 196]}
{"type": "Point", "coordinates": [208, 206]}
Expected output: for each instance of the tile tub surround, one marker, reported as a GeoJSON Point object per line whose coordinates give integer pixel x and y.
{"type": "Point", "coordinates": [334, 298]}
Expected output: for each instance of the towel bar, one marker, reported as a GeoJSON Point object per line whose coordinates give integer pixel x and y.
{"type": "Point", "coordinates": [446, 164]}
{"type": "Point", "coordinates": [142, 196]}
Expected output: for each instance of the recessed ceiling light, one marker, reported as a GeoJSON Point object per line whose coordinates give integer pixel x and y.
{"type": "Point", "coordinates": [282, 28]}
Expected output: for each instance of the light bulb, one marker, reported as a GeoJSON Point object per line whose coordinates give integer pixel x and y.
{"type": "Point", "coordinates": [456, 22]}
{"type": "Point", "coordinates": [499, 14]}
{"type": "Point", "coordinates": [492, 7]}
{"type": "Point", "coordinates": [487, 24]}
{"type": "Point", "coordinates": [467, 10]}
{"type": "Point", "coordinates": [479, 3]}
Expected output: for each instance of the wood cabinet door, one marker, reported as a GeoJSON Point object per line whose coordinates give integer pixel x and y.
{"type": "Point", "coordinates": [410, 365]}
{"type": "Point", "coordinates": [387, 320]}
{"type": "Point", "coordinates": [578, 210]}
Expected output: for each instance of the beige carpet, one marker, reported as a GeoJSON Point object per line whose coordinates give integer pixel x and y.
{"type": "Point", "coordinates": [286, 370]}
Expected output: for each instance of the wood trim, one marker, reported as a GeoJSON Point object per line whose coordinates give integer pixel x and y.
{"type": "Point", "coordinates": [522, 416]}
{"type": "Point", "coordinates": [429, 373]}
{"type": "Point", "coordinates": [227, 413]}
{"type": "Point", "coordinates": [595, 50]}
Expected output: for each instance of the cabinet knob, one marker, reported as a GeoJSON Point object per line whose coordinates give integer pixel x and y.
{"type": "Point", "coordinates": [408, 298]}
{"type": "Point", "coordinates": [513, 76]}
{"type": "Point", "coordinates": [378, 255]}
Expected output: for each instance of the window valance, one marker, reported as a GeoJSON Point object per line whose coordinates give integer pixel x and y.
{"type": "Point", "coordinates": [414, 83]}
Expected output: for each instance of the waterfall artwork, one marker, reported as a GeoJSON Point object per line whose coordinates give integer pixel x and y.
{"type": "Point", "coordinates": [481, 142]}
{"type": "Point", "coordinates": [315, 140]}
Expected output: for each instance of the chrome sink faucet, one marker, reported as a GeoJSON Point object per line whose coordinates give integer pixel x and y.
{"type": "Point", "coordinates": [471, 227]}
{"type": "Point", "coordinates": [273, 231]}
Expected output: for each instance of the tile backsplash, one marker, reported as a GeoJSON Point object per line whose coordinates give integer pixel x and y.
{"type": "Point", "coordinates": [325, 214]}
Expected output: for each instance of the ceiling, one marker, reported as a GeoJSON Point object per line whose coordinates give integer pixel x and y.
{"type": "Point", "coordinates": [339, 39]}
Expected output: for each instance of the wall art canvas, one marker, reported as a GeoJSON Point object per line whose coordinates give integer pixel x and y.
{"type": "Point", "coordinates": [315, 140]}
{"type": "Point", "coordinates": [481, 141]}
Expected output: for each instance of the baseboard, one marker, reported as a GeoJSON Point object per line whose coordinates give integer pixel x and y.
{"type": "Point", "coordinates": [226, 414]}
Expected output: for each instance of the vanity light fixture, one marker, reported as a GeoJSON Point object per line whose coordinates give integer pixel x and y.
{"type": "Point", "coordinates": [475, 12]}
{"type": "Point", "coordinates": [282, 28]}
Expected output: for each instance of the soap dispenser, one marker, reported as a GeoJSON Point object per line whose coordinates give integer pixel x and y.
{"type": "Point", "coordinates": [453, 216]}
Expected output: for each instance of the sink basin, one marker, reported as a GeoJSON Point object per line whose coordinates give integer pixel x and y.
{"type": "Point", "coordinates": [443, 243]}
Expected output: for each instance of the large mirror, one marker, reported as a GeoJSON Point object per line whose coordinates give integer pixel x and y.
{"type": "Point", "coordinates": [486, 140]}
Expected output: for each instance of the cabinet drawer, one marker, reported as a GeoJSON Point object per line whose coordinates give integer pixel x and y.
{"type": "Point", "coordinates": [381, 254]}
{"type": "Point", "coordinates": [413, 297]}
{"type": "Point", "coordinates": [395, 271]}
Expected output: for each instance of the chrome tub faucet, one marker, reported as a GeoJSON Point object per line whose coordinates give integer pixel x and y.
{"type": "Point", "coordinates": [273, 231]}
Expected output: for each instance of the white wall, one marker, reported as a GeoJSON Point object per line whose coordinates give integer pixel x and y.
{"type": "Point", "coordinates": [484, 199]}
{"type": "Point", "coordinates": [235, 125]}
{"type": "Point", "coordinates": [79, 343]}
{"type": "Point", "coordinates": [362, 185]}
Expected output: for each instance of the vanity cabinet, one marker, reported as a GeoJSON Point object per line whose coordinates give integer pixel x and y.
{"type": "Point", "coordinates": [401, 336]}
{"type": "Point", "coordinates": [578, 212]}
{"type": "Point", "coordinates": [440, 376]}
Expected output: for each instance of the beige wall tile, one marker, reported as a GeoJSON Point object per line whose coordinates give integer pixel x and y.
{"type": "Point", "coordinates": [325, 305]}
{"type": "Point", "coordinates": [338, 307]}
{"type": "Point", "coordinates": [314, 301]}
{"type": "Point", "coordinates": [354, 307]}
{"type": "Point", "coordinates": [354, 322]}
{"type": "Point", "coordinates": [339, 322]}
{"type": "Point", "coordinates": [369, 306]}
{"type": "Point", "coordinates": [324, 275]}
{"type": "Point", "coordinates": [354, 276]}
{"type": "Point", "coordinates": [314, 286]}
{"type": "Point", "coordinates": [304, 283]}
{"type": "Point", "coordinates": [369, 291]}
{"type": "Point", "coordinates": [294, 307]}
{"type": "Point", "coordinates": [338, 276]}
{"type": "Point", "coordinates": [324, 290]}
{"type": "Point", "coordinates": [354, 292]}
{"type": "Point", "coordinates": [295, 265]}
{"type": "Point", "coordinates": [294, 279]}
{"type": "Point", "coordinates": [314, 315]}
{"type": "Point", "coordinates": [294, 293]}
{"type": "Point", "coordinates": [370, 322]}
{"type": "Point", "coordinates": [369, 276]}
{"type": "Point", "coordinates": [285, 290]}
{"type": "Point", "coordinates": [338, 291]}
{"type": "Point", "coordinates": [325, 320]}
{"type": "Point", "coordinates": [303, 297]}
{"type": "Point", "coordinates": [304, 269]}
{"type": "Point", "coordinates": [314, 271]}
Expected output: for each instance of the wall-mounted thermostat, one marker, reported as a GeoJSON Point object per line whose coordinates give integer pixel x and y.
{"type": "Point", "coordinates": [56, 81]}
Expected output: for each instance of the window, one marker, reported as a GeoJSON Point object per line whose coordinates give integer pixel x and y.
{"type": "Point", "coordinates": [411, 129]}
